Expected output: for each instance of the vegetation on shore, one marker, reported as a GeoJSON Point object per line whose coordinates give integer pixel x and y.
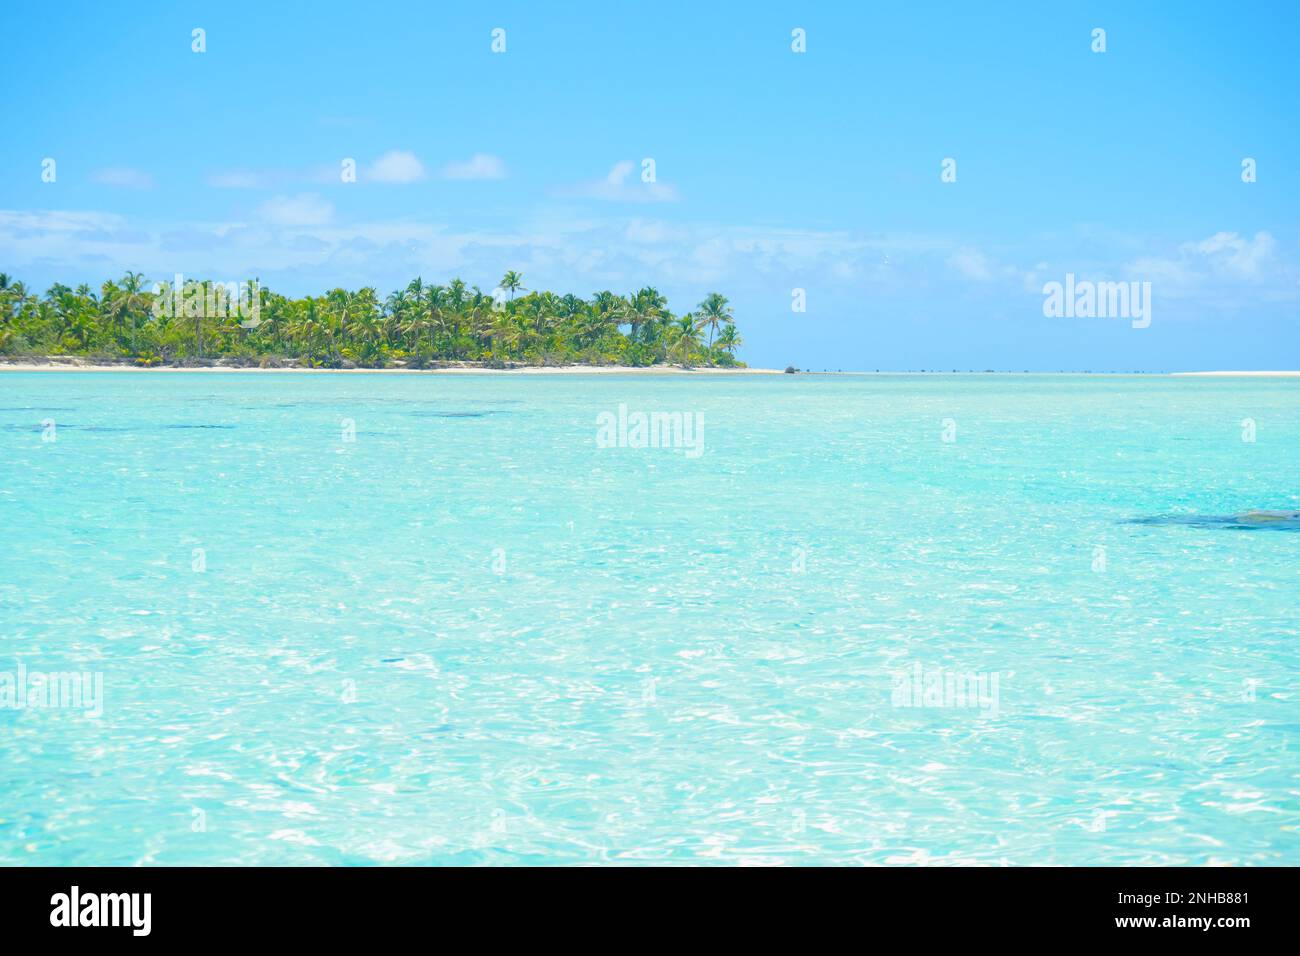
{"type": "Point", "coordinates": [420, 326]}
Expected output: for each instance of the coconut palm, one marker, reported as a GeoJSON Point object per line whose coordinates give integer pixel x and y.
{"type": "Point", "coordinates": [714, 312]}
{"type": "Point", "coordinates": [307, 326]}
{"type": "Point", "coordinates": [457, 294]}
{"type": "Point", "coordinates": [418, 322]}
{"type": "Point", "coordinates": [513, 282]}
{"type": "Point", "coordinates": [730, 339]}
{"type": "Point", "coordinates": [126, 301]}
{"type": "Point", "coordinates": [685, 337]}
{"type": "Point", "coordinates": [645, 309]}
{"type": "Point", "coordinates": [435, 304]}
{"type": "Point", "coordinates": [397, 311]}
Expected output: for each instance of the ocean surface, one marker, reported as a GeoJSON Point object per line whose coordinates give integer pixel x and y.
{"type": "Point", "coordinates": [410, 619]}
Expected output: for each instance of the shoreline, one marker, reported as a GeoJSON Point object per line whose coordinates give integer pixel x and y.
{"type": "Point", "coordinates": [1276, 374]}
{"type": "Point", "coordinates": [76, 364]}
{"type": "Point", "coordinates": [84, 366]}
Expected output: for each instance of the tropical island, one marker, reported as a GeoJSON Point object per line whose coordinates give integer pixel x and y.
{"type": "Point", "coordinates": [201, 323]}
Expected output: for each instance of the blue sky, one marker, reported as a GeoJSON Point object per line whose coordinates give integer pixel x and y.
{"type": "Point", "coordinates": [775, 170]}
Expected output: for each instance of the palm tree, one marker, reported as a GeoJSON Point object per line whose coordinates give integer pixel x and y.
{"type": "Point", "coordinates": [201, 289]}
{"type": "Point", "coordinates": [456, 293]}
{"type": "Point", "coordinates": [714, 312]}
{"type": "Point", "coordinates": [12, 294]}
{"type": "Point", "coordinates": [730, 340]}
{"type": "Point", "coordinates": [419, 320]}
{"type": "Point", "coordinates": [506, 334]}
{"type": "Point", "coordinates": [276, 307]}
{"type": "Point", "coordinates": [367, 318]}
{"type": "Point", "coordinates": [547, 307]}
{"type": "Point", "coordinates": [124, 301]}
{"type": "Point", "coordinates": [435, 302]}
{"type": "Point", "coordinates": [306, 326]}
{"type": "Point", "coordinates": [644, 311]}
{"type": "Point", "coordinates": [396, 309]}
{"type": "Point", "coordinates": [685, 334]}
{"type": "Point", "coordinates": [513, 282]}
{"type": "Point", "coordinates": [340, 310]}
{"type": "Point", "coordinates": [78, 318]}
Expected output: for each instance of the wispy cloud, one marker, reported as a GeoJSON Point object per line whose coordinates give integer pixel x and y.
{"type": "Point", "coordinates": [478, 166]}
{"type": "Point", "coordinates": [298, 240]}
{"type": "Point", "coordinates": [273, 178]}
{"type": "Point", "coordinates": [618, 185]}
{"type": "Point", "coordinates": [396, 166]}
{"type": "Point", "coordinates": [124, 177]}
{"type": "Point", "coordinates": [1224, 259]}
{"type": "Point", "coordinates": [1229, 252]}
{"type": "Point", "coordinates": [304, 209]}
{"type": "Point", "coordinates": [971, 264]}
{"type": "Point", "coordinates": [246, 179]}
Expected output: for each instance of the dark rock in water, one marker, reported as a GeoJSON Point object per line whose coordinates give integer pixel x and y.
{"type": "Point", "coordinates": [1254, 520]}
{"type": "Point", "coordinates": [1265, 517]}
{"type": "Point", "coordinates": [790, 370]}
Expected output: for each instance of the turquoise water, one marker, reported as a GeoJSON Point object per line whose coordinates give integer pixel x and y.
{"type": "Point", "coordinates": [472, 635]}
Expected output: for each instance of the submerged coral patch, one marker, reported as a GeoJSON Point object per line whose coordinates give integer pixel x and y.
{"type": "Point", "coordinates": [1254, 520]}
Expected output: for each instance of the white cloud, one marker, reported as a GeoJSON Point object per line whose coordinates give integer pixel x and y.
{"type": "Point", "coordinates": [274, 178]}
{"type": "Point", "coordinates": [244, 179]}
{"type": "Point", "coordinates": [22, 224]}
{"type": "Point", "coordinates": [1224, 260]}
{"type": "Point", "coordinates": [297, 242]}
{"type": "Point", "coordinates": [1229, 252]}
{"type": "Point", "coordinates": [620, 186]}
{"type": "Point", "coordinates": [304, 209]}
{"type": "Point", "coordinates": [650, 232]}
{"type": "Point", "coordinates": [972, 264]}
{"type": "Point", "coordinates": [124, 177]}
{"type": "Point", "coordinates": [478, 166]}
{"type": "Point", "coordinates": [396, 166]}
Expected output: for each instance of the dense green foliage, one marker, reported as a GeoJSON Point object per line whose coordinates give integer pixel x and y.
{"type": "Point", "coordinates": [418, 326]}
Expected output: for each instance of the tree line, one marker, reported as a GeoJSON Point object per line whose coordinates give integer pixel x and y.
{"type": "Point", "coordinates": [421, 325]}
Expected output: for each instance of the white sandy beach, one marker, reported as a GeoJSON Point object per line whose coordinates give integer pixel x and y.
{"type": "Point", "coordinates": [1256, 374]}
{"type": "Point", "coordinates": [79, 366]}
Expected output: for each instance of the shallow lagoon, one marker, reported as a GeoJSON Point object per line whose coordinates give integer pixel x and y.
{"type": "Point", "coordinates": [472, 634]}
